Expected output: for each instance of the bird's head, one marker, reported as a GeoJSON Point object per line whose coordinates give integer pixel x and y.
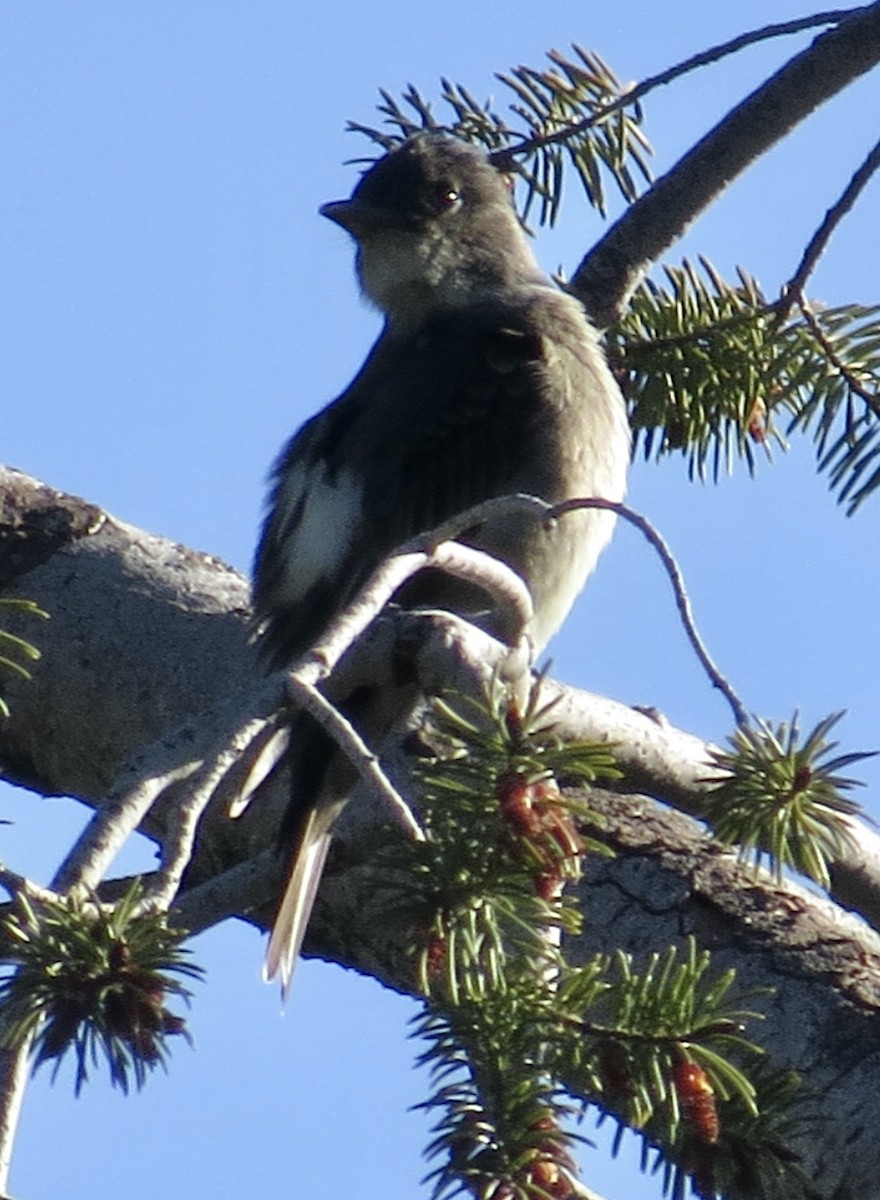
{"type": "Point", "coordinates": [435, 226]}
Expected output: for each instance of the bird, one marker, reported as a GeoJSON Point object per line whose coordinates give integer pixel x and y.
{"type": "Point", "coordinates": [487, 379]}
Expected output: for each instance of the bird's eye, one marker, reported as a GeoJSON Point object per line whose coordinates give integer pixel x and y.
{"type": "Point", "coordinates": [449, 197]}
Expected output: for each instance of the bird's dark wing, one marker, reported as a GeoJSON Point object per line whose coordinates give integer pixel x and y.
{"type": "Point", "coordinates": [468, 425]}
{"type": "Point", "coordinates": [432, 425]}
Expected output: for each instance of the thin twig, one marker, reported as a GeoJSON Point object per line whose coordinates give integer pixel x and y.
{"type": "Point", "coordinates": [110, 828]}
{"type": "Point", "coordinates": [432, 549]}
{"type": "Point", "coordinates": [682, 600]}
{"type": "Point", "coordinates": [503, 584]}
{"type": "Point", "coordinates": [318, 663]}
{"type": "Point", "coordinates": [703, 58]}
{"type": "Point", "coordinates": [355, 748]}
{"type": "Point", "coordinates": [852, 381]}
{"type": "Point", "coordinates": [794, 289]}
{"type": "Point", "coordinates": [744, 317]}
{"type": "Point", "coordinates": [178, 845]}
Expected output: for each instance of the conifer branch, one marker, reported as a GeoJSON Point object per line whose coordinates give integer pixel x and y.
{"type": "Point", "coordinates": [632, 95]}
{"type": "Point", "coordinates": [612, 270]}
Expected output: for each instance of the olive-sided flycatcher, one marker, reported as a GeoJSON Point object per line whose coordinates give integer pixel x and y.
{"type": "Point", "coordinates": [486, 380]}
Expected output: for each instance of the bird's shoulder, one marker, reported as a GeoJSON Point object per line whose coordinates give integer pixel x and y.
{"type": "Point", "coordinates": [467, 358]}
{"type": "Point", "coordinates": [510, 329]}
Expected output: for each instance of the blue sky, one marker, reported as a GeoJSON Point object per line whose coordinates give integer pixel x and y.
{"type": "Point", "coordinates": [173, 307]}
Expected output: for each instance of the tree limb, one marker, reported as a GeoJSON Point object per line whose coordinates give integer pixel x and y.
{"type": "Point", "coordinates": [139, 626]}
{"type": "Point", "coordinates": [612, 270]}
{"type": "Point", "coordinates": [139, 640]}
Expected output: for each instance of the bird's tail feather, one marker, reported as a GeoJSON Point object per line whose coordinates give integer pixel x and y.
{"type": "Point", "coordinates": [307, 865]}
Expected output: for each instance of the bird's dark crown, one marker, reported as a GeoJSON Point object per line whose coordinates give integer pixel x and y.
{"type": "Point", "coordinates": [430, 174]}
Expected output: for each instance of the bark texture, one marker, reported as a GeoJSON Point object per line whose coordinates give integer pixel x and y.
{"type": "Point", "coordinates": [146, 663]}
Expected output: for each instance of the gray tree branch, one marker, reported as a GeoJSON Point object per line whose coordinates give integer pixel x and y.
{"type": "Point", "coordinates": [613, 268]}
{"type": "Point", "coordinates": [146, 663]}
